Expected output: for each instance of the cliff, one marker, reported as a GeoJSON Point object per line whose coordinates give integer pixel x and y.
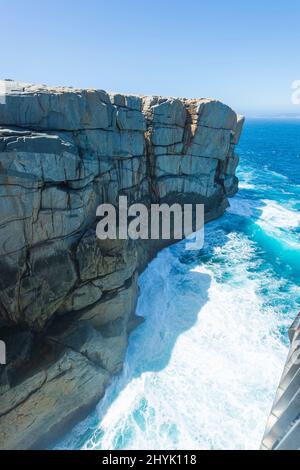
{"type": "Point", "coordinates": [67, 299]}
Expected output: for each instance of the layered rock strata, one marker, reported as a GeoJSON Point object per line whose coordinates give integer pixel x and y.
{"type": "Point", "coordinates": [67, 299]}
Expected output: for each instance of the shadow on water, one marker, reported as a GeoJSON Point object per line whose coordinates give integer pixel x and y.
{"type": "Point", "coordinates": [165, 286]}
{"type": "Point", "coordinates": [175, 305]}
{"type": "Point", "coordinates": [173, 293]}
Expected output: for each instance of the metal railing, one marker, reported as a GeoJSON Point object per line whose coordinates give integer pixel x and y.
{"type": "Point", "coordinates": [283, 427]}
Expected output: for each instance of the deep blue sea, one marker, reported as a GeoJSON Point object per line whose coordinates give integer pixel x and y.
{"type": "Point", "coordinates": [201, 372]}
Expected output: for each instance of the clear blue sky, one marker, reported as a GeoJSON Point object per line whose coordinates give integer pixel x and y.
{"type": "Point", "coordinates": [246, 53]}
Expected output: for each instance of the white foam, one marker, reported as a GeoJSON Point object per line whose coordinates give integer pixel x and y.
{"type": "Point", "coordinates": [202, 371]}
{"type": "Point", "coordinates": [245, 185]}
{"type": "Point", "coordinates": [278, 216]}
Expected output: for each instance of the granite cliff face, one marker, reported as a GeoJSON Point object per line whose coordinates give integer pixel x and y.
{"type": "Point", "coordinates": [67, 299]}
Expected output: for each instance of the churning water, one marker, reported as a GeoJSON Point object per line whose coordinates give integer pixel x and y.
{"type": "Point", "coordinates": [201, 372]}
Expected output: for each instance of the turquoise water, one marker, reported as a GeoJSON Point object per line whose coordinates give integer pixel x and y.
{"type": "Point", "coordinates": [202, 370]}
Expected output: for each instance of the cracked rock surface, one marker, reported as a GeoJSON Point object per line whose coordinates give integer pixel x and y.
{"type": "Point", "coordinates": [67, 299]}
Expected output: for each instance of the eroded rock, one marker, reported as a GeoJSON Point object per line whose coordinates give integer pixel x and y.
{"type": "Point", "coordinates": [67, 298]}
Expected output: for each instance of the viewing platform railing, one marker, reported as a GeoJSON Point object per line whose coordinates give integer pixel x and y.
{"type": "Point", "coordinates": [283, 427]}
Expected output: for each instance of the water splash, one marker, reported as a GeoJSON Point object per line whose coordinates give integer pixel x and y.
{"type": "Point", "coordinates": [201, 372]}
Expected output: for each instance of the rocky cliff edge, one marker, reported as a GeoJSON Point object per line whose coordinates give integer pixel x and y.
{"type": "Point", "coordinates": [67, 299]}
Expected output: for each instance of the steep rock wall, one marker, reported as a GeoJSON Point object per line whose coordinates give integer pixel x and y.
{"type": "Point", "coordinates": [67, 299]}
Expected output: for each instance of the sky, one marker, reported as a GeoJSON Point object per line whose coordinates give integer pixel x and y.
{"type": "Point", "coordinates": [245, 53]}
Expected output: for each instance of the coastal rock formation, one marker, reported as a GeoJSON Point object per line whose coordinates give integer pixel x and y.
{"type": "Point", "coordinates": [67, 299]}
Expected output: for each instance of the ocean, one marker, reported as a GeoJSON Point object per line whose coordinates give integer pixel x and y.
{"type": "Point", "coordinates": [201, 372]}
